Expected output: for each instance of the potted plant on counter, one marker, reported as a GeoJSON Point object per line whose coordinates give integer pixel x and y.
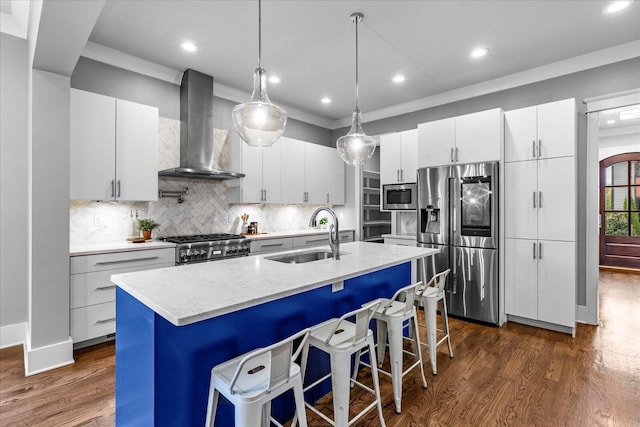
{"type": "Point", "coordinates": [146, 225]}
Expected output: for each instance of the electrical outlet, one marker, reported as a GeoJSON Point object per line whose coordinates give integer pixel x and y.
{"type": "Point", "coordinates": [97, 221]}
{"type": "Point", "coordinates": [337, 286]}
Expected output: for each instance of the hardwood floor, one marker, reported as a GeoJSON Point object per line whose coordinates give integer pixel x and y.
{"type": "Point", "coordinates": [514, 375]}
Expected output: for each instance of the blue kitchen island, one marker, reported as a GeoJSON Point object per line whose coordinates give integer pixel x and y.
{"type": "Point", "coordinates": [174, 324]}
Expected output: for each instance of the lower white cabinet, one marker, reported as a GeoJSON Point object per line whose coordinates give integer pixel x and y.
{"type": "Point", "coordinates": [266, 245]}
{"type": "Point", "coordinates": [540, 280]}
{"type": "Point", "coordinates": [92, 294]}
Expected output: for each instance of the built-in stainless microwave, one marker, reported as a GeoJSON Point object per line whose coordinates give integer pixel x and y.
{"type": "Point", "coordinates": [400, 197]}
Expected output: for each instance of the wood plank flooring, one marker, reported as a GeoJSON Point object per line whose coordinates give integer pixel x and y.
{"type": "Point", "coordinates": [515, 375]}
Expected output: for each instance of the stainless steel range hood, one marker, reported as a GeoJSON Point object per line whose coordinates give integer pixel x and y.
{"type": "Point", "coordinates": [196, 131]}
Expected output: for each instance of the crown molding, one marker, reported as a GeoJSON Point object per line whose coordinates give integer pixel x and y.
{"type": "Point", "coordinates": [119, 59]}
{"type": "Point", "coordinates": [587, 61]}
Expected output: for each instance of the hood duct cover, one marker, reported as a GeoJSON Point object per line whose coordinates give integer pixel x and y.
{"type": "Point", "coordinates": [196, 131]}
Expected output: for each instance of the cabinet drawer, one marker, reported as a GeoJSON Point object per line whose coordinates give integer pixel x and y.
{"type": "Point", "coordinates": [313, 240]}
{"type": "Point", "coordinates": [93, 321]}
{"type": "Point", "coordinates": [399, 241]}
{"type": "Point", "coordinates": [119, 260]}
{"type": "Point", "coordinates": [346, 236]}
{"type": "Point", "coordinates": [270, 245]}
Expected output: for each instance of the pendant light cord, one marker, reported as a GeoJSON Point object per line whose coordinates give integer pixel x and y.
{"type": "Point", "coordinates": [356, 19]}
{"type": "Point", "coordinates": [259, 34]}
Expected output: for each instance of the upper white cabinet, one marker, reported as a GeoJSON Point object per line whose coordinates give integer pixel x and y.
{"type": "Point", "coordinates": [470, 138]}
{"type": "Point", "coordinates": [540, 132]}
{"type": "Point", "coordinates": [290, 171]}
{"type": "Point", "coordinates": [398, 157]}
{"type": "Point", "coordinates": [262, 183]}
{"type": "Point", "coordinates": [114, 149]}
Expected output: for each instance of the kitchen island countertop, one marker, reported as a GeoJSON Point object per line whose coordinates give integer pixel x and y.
{"type": "Point", "coordinates": [191, 293]}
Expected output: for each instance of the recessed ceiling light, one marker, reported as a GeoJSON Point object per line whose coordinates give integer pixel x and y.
{"type": "Point", "coordinates": [189, 47]}
{"type": "Point", "coordinates": [325, 100]}
{"type": "Point", "coordinates": [398, 78]}
{"type": "Point", "coordinates": [479, 52]}
{"type": "Point", "coordinates": [274, 79]}
{"type": "Point", "coordinates": [610, 122]}
{"type": "Point", "coordinates": [617, 6]}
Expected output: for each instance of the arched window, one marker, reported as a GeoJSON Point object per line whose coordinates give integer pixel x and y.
{"type": "Point", "coordinates": [620, 210]}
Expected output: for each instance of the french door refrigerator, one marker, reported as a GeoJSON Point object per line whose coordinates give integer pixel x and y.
{"type": "Point", "coordinates": [458, 213]}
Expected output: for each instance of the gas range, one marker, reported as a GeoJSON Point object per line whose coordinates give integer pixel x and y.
{"type": "Point", "coordinates": [208, 247]}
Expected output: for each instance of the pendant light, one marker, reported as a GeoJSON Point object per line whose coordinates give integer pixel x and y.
{"type": "Point", "coordinates": [356, 147]}
{"type": "Point", "coordinates": [259, 122]}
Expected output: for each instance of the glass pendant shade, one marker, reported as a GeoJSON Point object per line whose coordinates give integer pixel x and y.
{"type": "Point", "coordinates": [356, 147]}
{"type": "Point", "coordinates": [259, 122]}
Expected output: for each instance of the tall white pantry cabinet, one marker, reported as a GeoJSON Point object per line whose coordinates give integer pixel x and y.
{"type": "Point", "coordinates": [540, 215]}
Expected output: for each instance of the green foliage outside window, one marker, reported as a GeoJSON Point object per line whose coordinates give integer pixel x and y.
{"type": "Point", "coordinates": [617, 223]}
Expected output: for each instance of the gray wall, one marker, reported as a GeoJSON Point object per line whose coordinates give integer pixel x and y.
{"type": "Point", "coordinates": [585, 84]}
{"type": "Point", "coordinates": [13, 180]}
{"type": "Point", "coordinates": [108, 80]}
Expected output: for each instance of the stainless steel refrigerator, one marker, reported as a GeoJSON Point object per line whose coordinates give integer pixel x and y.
{"type": "Point", "coordinates": [458, 213]}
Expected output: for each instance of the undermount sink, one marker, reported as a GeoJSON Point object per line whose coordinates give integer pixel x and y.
{"type": "Point", "coordinates": [302, 257]}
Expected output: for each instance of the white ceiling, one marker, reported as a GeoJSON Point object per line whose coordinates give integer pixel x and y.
{"type": "Point", "coordinates": [310, 45]}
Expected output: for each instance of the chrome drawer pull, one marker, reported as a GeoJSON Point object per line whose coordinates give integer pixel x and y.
{"type": "Point", "coordinates": [105, 288]}
{"type": "Point", "coordinates": [100, 322]}
{"type": "Point", "coordinates": [127, 260]}
{"type": "Point", "coordinates": [272, 244]}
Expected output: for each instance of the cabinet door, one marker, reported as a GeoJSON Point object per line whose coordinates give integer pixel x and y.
{"type": "Point", "coordinates": [136, 151]}
{"type": "Point", "coordinates": [479, 136]}
{"type": "Point", "coordinates": [408, 155]}
{"type": "Point", "coordinates": [520, 134]}
{"type": "Point", "coordinates": [315, 174]}
{"type": "Point", "coordinates": [557, 283]}
{"type": "Point", "coordinates": [292, 175]}
{"type": "Point", "coordinates": [390, 158]}
{"type": "Point", "coordinates": [436, 140]}
{"type": "Point", "coordinates": [272, 173]}
{"type": "Point", "coordinates": [521, 289]}
{"type": "Point", "coordinates": [557, 128]}
{"type": "Point", "coordinates": [556, 199]}
{"type": "Point", "coordinates": [92, 146]}
{"type": "Point", "coordinates": [336, 176]}
{"type": "Point", "coordinates": [520, 200]}
{"type": "Point", "coordinates": [252, 168]}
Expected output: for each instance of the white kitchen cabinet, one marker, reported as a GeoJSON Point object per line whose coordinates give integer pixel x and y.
{"type": "Point", "coordinates": [541, 131]}
{"type": "Point", "coordinates": [322, 239]}
{"type": "Point", "coordinates": [92, 294]}
{"type": "Point", "coordinates": [266, 245]}
{"type": "Point", "coordinates": [470, 138]}
{"type": "Point", "coordinates": [324, 175]}
{"type": "Point", "coordinates": [541, 280]}
{"type": "Point", "coordinates": [521, 212]}
{"type": "Point", "coordinates": [293, 170]}
{"type": "Point", "coordinates": [262, 182]}
{"type": "Point", "coordinates": [113, 149]}
{"type": "Point", "coordinates": [398, 157]}
{"type": "Point", "coordinates": [557, 199]}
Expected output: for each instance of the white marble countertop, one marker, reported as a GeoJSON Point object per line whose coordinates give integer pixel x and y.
{"type": "Point", "coordinates": [400, 236]}
{"type": "Point", "coordinates": [110, 247]}
{"type": "Point", "coordinates": [191, 293]}
{"type": "Point", "coordinates": [292, 233]}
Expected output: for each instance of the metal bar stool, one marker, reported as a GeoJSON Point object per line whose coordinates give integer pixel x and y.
{"type": "Point", "coordinates": [429, 296]}
{"type": "Point", "coordinates": [252, 380]}
{"type": "Point", "coordinates": [392, 316]}
{"type": "Point", "coordinates": [341, 338]}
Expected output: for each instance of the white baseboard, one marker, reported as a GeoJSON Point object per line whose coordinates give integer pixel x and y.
{"type": "Point", "coordinates": [11, 335]}
{"type": "Point", "coordinates": [49, 357]}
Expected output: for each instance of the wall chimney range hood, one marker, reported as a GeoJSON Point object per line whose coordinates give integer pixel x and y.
{"type": "Point", "coordinates": [196, 131]}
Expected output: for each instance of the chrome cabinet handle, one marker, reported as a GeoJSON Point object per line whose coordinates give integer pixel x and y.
{"type": "Point", "coordinates": [105, 288]}
{"type": "Point", "coordinates": [451, 154]}
{"type": "Point", "coordinates": [534, 200]}
{"type": "Point", "coordinates": [327, 197]}
{"type": "Point", "coordinates": [265, 194]}
{"type": "Point", "coordinates": [457, 153]}
{"type": "Point", "coordinates": [539, 199]}
{"type": "Point", "coordinates": [100, 322]}
{"type": "Point", "coordinates": [113, 188]}
{"type": "Point", "coordinates": [539, 250]}
{"type": "Point", "coordinates": [534, 250]}
{"type": "Point", "coordinates": [118, 188]}
{"type": "Point", "coordinates": [269, 245]}
{"type": "Point", "coordinates": [126, 260]}
{"type": "Point", "coordinates": [533, 148]}
{"type": "Point", "coordinates": [539, 148]}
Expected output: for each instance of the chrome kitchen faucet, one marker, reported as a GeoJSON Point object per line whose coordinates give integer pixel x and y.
{"type": "Point", "coordinates": [334, 236]}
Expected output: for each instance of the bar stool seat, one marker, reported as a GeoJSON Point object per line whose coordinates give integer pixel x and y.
{"type": "Point", "coordinates": [428, 297]}
{"type": "Point", "coordinates": [392, 316]}
{"type": "Point", "coordinates": [250, 381]}
{"type": "Point", "coordinates": [341, 338]}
